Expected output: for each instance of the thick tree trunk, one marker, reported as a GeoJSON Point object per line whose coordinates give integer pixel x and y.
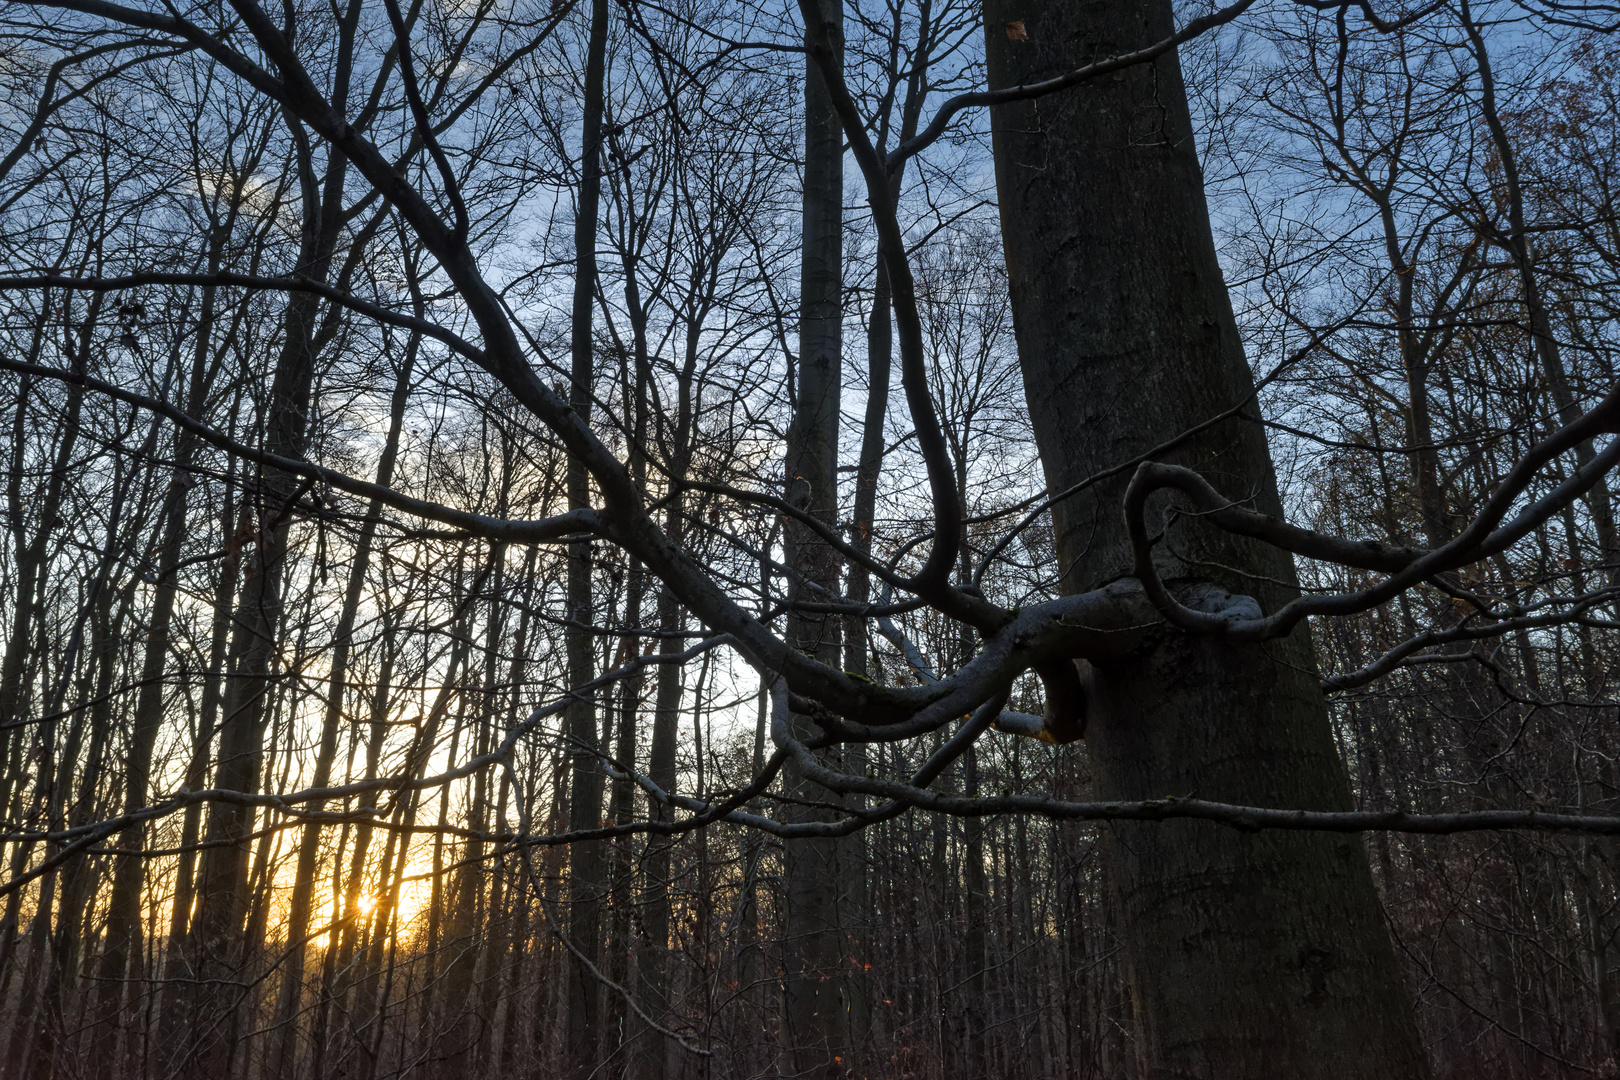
{"type": "Point", "coordinates": [654, 1059]}
{"type": "Point", "coordinates": [816, 1034]}
{"type": "Point", "coordinates": [222, 888]}
{"type": "Point", "coordinates": [1249, 955]}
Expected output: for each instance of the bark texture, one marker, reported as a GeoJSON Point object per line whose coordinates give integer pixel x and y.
{"type": "Point", "coordinates": [1250, 956]}
{"type": "Point", "coordinates": [816, 1042]}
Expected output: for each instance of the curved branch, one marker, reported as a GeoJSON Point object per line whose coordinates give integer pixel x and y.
{"type": "Point", "coordinates": [1217, 508]}
{"type": "Point", "coordinates": [1246, 818]}
{"type": "Point", "coordinates": [1484, 536]}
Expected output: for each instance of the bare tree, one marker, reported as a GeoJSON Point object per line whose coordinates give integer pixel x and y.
{"type": "Point", "coordinates": [393, 389]}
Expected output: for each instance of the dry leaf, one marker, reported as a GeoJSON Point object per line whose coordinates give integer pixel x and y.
{"type": "Point", "coordinates": [1016, 32]}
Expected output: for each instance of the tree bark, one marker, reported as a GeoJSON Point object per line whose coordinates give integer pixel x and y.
{"type": "Point", "coordinates": [586, 862]}
{"type": "Point", "coordinates": [817, 1024]}
{"type": "Point", "coordinates": [1248, 955]}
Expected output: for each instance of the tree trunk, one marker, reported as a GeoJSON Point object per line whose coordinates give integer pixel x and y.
{"type": "Point", "coordinates": [817, 1024]}
{"type": "Point", "coordinates": [222, 883]}
{"type": "Point", "coordinates": [1248, 955]}
{"type": "Point", "coordinates": [976, 957]}
{"type": "Point", "coordinates": [653, 962]}
{"type": "Point", "coordinates": [465, 937]}
{"type": "Point", "coordinates": [586, 862]}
